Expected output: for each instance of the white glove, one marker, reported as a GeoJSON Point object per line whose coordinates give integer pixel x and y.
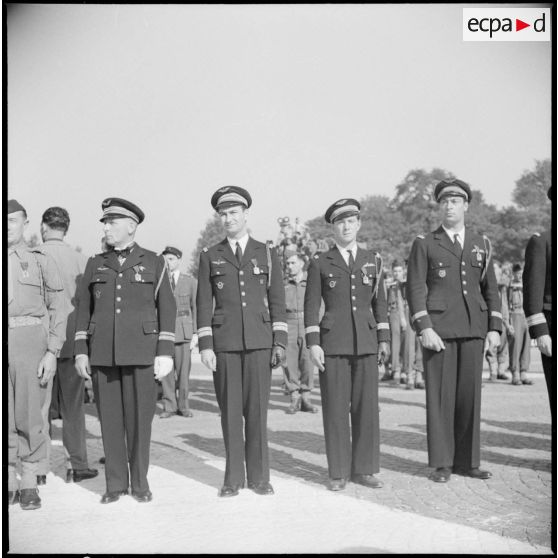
{"type": "Point", "coordinates": [163, 365]}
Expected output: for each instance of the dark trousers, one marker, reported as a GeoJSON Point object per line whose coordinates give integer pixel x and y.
{"type": "Point", "coordinates": [242, 386]}
{"type": "Point", "coordinates": [453, 403]}
{"type": "Point", "coordinates": [349, 388]}
{"type": "Point", "coordinates": [125, 398]}
{"type": "Point", "coordinates": [67, 402]}
{"type": "Point", "coordinates": [178, 379]}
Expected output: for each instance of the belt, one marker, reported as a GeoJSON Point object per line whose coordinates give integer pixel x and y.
{"type": "Point", "coordinates": [20, 321]}
{"type": "Point", "coordinates": [182, 313]}
{"type": "Point", "coordinates": [291, 314]}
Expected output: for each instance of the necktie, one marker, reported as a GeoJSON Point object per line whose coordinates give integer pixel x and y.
{"type": "Point", "coordinates": [238, 253]}
{"type": "Point", "coordinates": [457, 245]}
{"type": "Point", "coordinates": [351, 259]}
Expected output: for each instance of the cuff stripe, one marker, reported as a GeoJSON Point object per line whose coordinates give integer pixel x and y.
{"type": "Point", "coordinates": [312, 329]}
{"type": "Point", "coordinates": [280, 326]}
{"type": "Point", "coordinates": [383, 325]}
{"type": "Point", "coordinates": [419, 315]}
{"type": "Point", "coordinates": [205, 332]}
{"type": "Point", "coordinates": [80, 336]}
{"type": "Point", "coordinates": [495, 314]}
{"type": "Point", "coordinates": [166, 336]}
{"type": "Point", "coordinates": [536, 319]}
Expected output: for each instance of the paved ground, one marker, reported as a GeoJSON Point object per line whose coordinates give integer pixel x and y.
{"type": "Point", "coordinates": [509, 514]}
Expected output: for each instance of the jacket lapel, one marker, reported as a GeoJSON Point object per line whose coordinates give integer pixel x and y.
{"type": "Point", "coordinates": [337, 259]}
{"type": "Point", "coordinates": [444, 241]}
{"type": "Point", "coordinates": [253, 251]}
{"type": "Point", "coordinates": [111, 261]}
{"type": "Point", "coordinates": [133, 259]}
{"type": "Point", "coordinates": [226, 253]}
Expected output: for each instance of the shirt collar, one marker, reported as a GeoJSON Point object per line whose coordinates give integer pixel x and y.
{"type": "Point", "coordinates": [243, 241]}
{"type": "Point", "coordinates": [344, 251]}
{"type": "Point", "coordinates": [460, 234]}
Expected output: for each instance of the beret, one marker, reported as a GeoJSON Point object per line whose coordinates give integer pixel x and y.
{"type": "Point", "coordinates": [228, 196]}
{"type": "Point", "coordinates": [453, 187]}
{"type": "Point", "coordinates": [123, 208]}
{"type": "Point", "coordinates": [172, 250]}
{"type": "Point", "coordinates": [13, 206]}
{"type": "Point", "coordinates": [346, 207]}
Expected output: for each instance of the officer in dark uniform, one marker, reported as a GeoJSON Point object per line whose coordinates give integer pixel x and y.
{"type": "Point", "coordinates": [242, 334]}
{"type": "Point", "coordinates": [454, 305]}
{"type": "Point", "coordinates": [537, 302]}
{"type": "Point", "coordinates": [346, 346]}
{"type": "Point", "coordinates": [125, 336]}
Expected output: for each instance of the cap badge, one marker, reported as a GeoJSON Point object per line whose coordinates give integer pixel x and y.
{"type": "Point", "coordinates": [332, 284]}
{"type": "Point", "coordinates": [223, 189]}
{"type": "Point", "coordinates": [340, 202]}
{"type": "Point", "coordinates": [442, 273]}
{"type": "Point", "coordinates": [220, 285]}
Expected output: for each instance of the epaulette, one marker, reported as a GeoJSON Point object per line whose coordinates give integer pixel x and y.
{"type": "Point", "coordinates": [421, 236]}
{"type": "Point", "coordinates": [205, 249]}
{"type": "Point", "coordinates": [316, 256]}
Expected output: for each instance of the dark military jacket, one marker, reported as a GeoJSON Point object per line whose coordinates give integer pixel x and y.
{"type": "Point", "coordinates": [355, 317]}
{"type": "Point", "coordinates": [185, 297]}
{"type": "Point", "coordinates": [456, 294]}
{"type": "Point", "coordinates": [126, 313]}
{"type": "Point", "coordinates": [537, 284]}
{"type": "Point", "coordinates": [240, 307]}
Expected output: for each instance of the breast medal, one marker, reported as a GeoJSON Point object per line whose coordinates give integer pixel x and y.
{"type": "Point", "coordinates": [256, 268]}
{"type": "Point", "coordinates": [24, 269]}
{"type": "Point", "coordinates": [442, 273]}
{"type": "Point", "coordinates": [220, 285]}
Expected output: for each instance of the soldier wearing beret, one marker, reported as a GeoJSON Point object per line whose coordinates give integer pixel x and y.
{"type": "Point", "coordinates": [124, 337]}
{"type": "Point", "coordinates": [242, 334]}
{"type": "Point", "coordinates": [519, 342]}
{"type": "Point", "coordinates": [537, 302]}
{"type": "Point", "coordinates": [37, 313]}
{"type": "Point", "coordinates": [454, 305]}
{"type": "Point", "coordinates": [346, 345]}
{"type": "Point", "coordinates": [184, 289]}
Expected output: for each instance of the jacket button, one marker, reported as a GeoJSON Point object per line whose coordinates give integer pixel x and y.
{"type": "Point", "coordinates": [118, 286]}
{"type": "Point", "coordinates": [464, 282]}
{"type": "Point", "coordinates": [353, 287]}
{"type": "Point", "coordinates": [462, 263]}
{"type": "Point", "coordinates": [241, 272]}
{"type": "Point", "coordinates": [464, 292]}
{"type": "Point", "coordinates": [243, 293]}
{"type": "Point", "coordinates": [354, 307]}
{"type": "Point", "coordinates": [118, 299]}
{"type": "Point", "coordinates": [463, 272]}
{"type": "Point", "coordinates": [118, 310]}
{"type": "Point", "coordinates": [120, 275]}
{"type": "Point", "coordinates": [353, 297]}
{"type": "Point", "coordinates": [242, 283]}
{"type": "Point", "coordinates": [243, 304]}
{"type": "Point", "coordinates": [352, 276]}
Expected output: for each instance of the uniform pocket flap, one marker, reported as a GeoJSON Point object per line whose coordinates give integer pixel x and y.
{"type": "Point", "coordinates": [439, 265]}
{"type": "Point", "coordinates": [150, 327]}
{"type": "Point", "coordinates": [145, 277]}
{"type": "Point", "coordinates": [218, 319]}
{"type": "Point", "coordinates": [483, 305]}
{"type": "Point", "coordinates": [266, 317]}
{"type": "Point", "coordinates": [217, 270]}
{"type": "Point", "coordinates": [99, 278]}
{"type": "Point", "coordinates": [436, 304]}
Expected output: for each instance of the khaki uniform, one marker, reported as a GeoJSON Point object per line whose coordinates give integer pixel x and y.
{"type": "Point", "coordinates": [519, 342]}
{"type": "Point", "coordinates": [37, 311]}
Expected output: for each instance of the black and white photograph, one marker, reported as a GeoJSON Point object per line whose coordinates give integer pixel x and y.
{"type": "Point", "coordinates": [279, 278]}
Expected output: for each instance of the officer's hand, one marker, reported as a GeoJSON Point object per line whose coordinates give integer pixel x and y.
{"type": "Point", "coordinates": [403, 324]}
{"type": "Point", "coordinates": [383, 352]}
{"type": "Point", "coordinates": [162, 366]}
{"type": "Point", "coordinates": [209, 359]}
{"type": "Point", "coordinates": [194, 342]}
{"type": "Point", "coordinates": [278, 356]}
{"type": "Point", "coordinates": [317, 357]}
{"type": "Point", "coordinates": [544, 343]}
{"type": "Point", "coordinates": [47, 368]}
{"type": "Point", "coordinates": [493, 339]}
{"type": "Point", "coordinates": [511, 330]}
{"type": "Point", "coordinates": [83, 367]}
{"type": "Point", "coordinates": [431, 340]}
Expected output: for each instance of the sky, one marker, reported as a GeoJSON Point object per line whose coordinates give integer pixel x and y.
{"type": "Point", "coordinates": [300, 104]}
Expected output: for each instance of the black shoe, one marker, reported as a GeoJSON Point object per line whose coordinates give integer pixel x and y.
{"type": "Point", "coordinates": [102, 460]}
{"type": "Point", "coordinates": [82, 474]}
{"type": "Point", "coordinates": [41, 479]}
{"type": "Point", "coordinates": [367, 480]}
{"type": "Point", "coordinates": [13, 497]}
{"type": "Point", "coordinates": [227, 491]}
{"type": "Point", "coordinates": [526, 381]}
{"type": "Point", "coordinates": [306, 405]}
{"type": "Point", "coordinates": [29, 499]}
{"type": "Point", "coordinates": [336, 484]}
{"type": "Point", "coordinates": [110, 497]}
{"type": "Point", "coordinates": [143, 496]}
{"type": "Point", "coordinates": [441, 474]}
{"type": "Point", "coordinates": [474, 473]}
{"type": "Point", "coordinates": [186, 413]}
{"type": "Point", "coordinates": [261, 488]}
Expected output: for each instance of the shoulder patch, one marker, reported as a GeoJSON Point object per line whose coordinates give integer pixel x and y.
{"type": "Point", "coordinates": [421, 236]}
{"type": "Point", "coordinates": [205, 249]}
{"type": "Point", "coordinates": [316, 256]}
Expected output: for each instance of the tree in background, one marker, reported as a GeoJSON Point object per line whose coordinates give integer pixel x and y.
{"type": "Point", "coordinates": [211, 234]}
